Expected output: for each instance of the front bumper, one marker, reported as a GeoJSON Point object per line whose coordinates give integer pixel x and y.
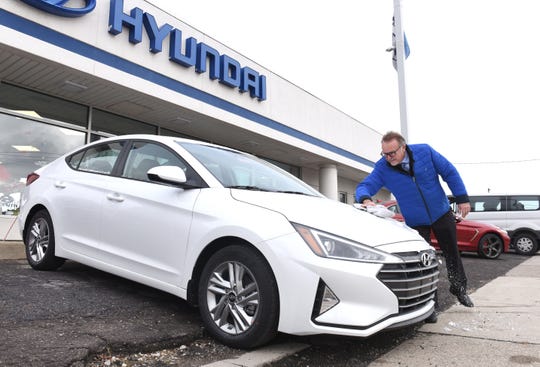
{"type": "Point", "coordinates": [372, 297]}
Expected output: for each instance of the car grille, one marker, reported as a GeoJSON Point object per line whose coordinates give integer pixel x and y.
{"type": "Point", "coordinates": [413, 283]}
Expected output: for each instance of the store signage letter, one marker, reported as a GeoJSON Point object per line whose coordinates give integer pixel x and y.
{"type": "Point", "coordinates": [222, 67]}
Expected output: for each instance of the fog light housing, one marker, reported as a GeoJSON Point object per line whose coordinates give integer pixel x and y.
{"type": "Point", "coordinates": [325, 299]}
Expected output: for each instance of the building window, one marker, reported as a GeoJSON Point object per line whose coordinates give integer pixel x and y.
{"type": "Point", "coordinates": [118, 125]}
{"type": "Point", "coordinates": [26, 145]}
{"type": "Point", "coordinates": [41, 105]}
{"type": "Point", "coordinates": [343, 197]}
{"type": "Point", "coordinates": [293, 170]}
{"type": "Point", "coordinates": [166, 132]}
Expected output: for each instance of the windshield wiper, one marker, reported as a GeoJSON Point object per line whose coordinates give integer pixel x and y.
{"type": "Point", "coordinates": [257, 188]}
{"type": "Point", "coordinates": [292, 192]}
{"type": "Point", "coordinates": [247, 187]}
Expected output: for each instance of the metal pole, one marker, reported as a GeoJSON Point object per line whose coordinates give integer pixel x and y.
{"type": "Point", "coordinates": [400, 55]}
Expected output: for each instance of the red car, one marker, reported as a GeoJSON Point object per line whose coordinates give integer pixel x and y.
{"type": "Point", "coordinates": [487, 240]}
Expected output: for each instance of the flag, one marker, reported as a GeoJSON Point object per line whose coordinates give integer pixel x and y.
{"type": "Point", "coordinates": [406, 49]}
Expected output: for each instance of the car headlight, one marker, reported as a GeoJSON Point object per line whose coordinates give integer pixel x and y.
{"type": "Point", "coordinates": [328, 245]}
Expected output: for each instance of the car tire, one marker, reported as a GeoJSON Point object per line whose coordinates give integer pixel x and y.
{"type": "Point", "coordinates": [39, 243]}
{"type": "Point", "coordinates": [243, 313]}
{"type": "Point", "coordinates": [490, 246]}
{"type": "Point", "coordinates": [525, 244]}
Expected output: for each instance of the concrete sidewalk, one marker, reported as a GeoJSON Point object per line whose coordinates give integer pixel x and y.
{"type": "Point", "coordinates": [503, 329]}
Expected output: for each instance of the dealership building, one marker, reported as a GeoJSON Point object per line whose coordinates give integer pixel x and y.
{"type": "Point", "coordinates": [101, 68]}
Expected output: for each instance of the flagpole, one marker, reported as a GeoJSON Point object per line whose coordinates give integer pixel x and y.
{"type": "Point", "coordinates": [400, 54]}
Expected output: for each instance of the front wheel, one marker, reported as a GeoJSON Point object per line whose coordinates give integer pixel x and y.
{"type": "Point", "coordinates": [39, 243]}
{"type": "Point", "coordinates": [238, 297]}
{"type": "Point", "coordinates": [525, 244]}
{"type": "Point", "coordinates": [490, 246]}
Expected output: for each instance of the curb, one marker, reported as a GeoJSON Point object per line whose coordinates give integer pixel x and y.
{"type": "Point", "coordinates": [12, 250]}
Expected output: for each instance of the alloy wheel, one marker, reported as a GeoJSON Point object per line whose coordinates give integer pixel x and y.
{"type": "Point", "coordinates": [38, 239]}
{"type": "Point", "coordinates": [233, 297]}
{"type": "Point", "coordinates": [491, 246]}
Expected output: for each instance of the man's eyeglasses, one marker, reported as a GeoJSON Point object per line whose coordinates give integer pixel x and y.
{"type": "Point", "coordinates": [392, 153]}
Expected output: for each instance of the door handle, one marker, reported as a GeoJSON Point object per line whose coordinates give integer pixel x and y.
{"type": "Point", "coordinates": [115, 197]}
{"type": "Point", "coordinates": [60, 185]}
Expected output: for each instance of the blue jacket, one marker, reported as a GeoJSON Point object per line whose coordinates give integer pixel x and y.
{"type": "Point", "coordinates": [421, 198]}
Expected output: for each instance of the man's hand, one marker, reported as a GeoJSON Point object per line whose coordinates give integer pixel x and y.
{"type": "Point", "coordinates": [367, 202]}
{"type": "Point", "coordinates": [464, 209]}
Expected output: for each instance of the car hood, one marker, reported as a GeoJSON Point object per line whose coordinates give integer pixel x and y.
{"type": "Point", "coordinates": [332, 216]}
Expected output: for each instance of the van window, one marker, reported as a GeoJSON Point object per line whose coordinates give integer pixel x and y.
{"type": "Point", "coordinates": [510, 203]}
{"type": "Point", "coordinates": [488, 203]}
{"type": "Point", "coordinates": [517, 203]}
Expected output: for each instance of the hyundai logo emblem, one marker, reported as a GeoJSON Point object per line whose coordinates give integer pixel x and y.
{"type": "Point", "coordinates": [426, 258]}
{"type": "Point", "coordinates": [57, 7]}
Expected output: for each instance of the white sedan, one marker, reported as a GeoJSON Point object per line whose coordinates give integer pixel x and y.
{"type": "Point", "coordinates": [258, 250]}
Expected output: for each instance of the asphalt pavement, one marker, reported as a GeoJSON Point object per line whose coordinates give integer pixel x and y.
{"type": "Point", "coordinates": [61, 318]}
{"type": "Point", "coordinates": [503, 329]}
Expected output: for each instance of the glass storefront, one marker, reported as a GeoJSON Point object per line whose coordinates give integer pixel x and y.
{"type": "Point", "coordinates": [41, 105]}
{"type": "Point", "coordinates": [36, 128]}
{"type": "Point", "coordinates": [26, 145]}
{"type": "Point", "coordinates": [117, 125]}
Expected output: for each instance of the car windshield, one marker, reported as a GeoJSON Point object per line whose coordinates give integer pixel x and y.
{"type": "Point", "coordinates": [234, 169]}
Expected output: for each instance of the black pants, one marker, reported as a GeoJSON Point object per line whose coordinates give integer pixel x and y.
{"type": "Point", "coordinates": [445, 232]}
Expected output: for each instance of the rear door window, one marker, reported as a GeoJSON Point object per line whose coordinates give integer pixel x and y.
{"type": "Point", "coordinates": [96, 159]}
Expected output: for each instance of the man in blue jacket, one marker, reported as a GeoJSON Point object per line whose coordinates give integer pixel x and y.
{"type": "Point", "coordinates": [411, 173]}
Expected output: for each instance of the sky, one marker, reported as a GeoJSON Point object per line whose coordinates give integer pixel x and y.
{"type": "Point", "coordinates": [472, 79]}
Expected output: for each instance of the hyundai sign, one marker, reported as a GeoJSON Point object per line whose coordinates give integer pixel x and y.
{"type": "Point", "coordinates": [185, 52]}
{"type": "Point", "coordinates": [57, 7]}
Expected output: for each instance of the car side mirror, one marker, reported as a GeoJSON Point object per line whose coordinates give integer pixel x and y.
{"type": "Point", "coordinates": [167, 174]}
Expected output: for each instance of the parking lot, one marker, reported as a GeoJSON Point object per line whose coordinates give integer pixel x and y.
{"type": "Point", "coordinates": [79, 316]}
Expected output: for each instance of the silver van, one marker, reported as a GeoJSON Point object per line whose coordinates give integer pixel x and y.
{"type": "Point", "coordinates": [518, 214]}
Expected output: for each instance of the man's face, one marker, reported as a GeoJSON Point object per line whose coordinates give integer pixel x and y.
{"type": "Point", "coordinates": [393, 152]}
